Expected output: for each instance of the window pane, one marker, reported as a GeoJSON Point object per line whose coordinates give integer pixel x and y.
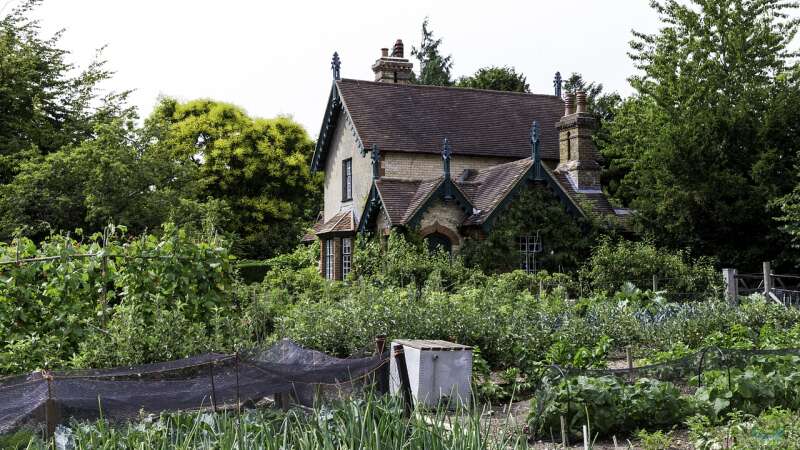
{"type": "Point", "coordinates": [347, 251]}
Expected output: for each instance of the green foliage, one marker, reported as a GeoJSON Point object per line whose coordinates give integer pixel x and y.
{"type": "Point", "coordinates": [566, 240]}
{"type": "Point", "coordinates": [657, 440]}
{"type": "Point", "coordinates": [260, 168]}
{"type": "Point", "coordinates": [495, 79]}
{"type": "Point", "coordinates": [46, 103]}
{"type": "Point", "coordinates": [773, 429]}
{"type": "Point", "coordinates": [705, 150]}
{"type": "Point", "coordinates": [372, 423]}
{"type": "Point", "coordinates": [114, 177]}
{"type": "Point", "coordinates": [612, 264]}
{"type": "Point", "coordinates": [405, 260]}
{"type": "Point", "coordinates": [131, 302]}
{"type": "Point", "coordinates": [434, 68]}
{"type": "Point", "coordinates": [612, 406]}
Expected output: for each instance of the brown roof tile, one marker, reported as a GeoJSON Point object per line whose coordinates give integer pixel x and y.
{"type": "Point", "coordinates": [340, 223]}
{"type": "Point", "coordinates": [488, 187]}
{"type": "Point", "coordinates": [402, 198]}
{"type": "Point", "coordinates": [414, 118]}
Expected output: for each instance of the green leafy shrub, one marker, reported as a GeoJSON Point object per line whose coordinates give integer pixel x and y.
{"type": "Point", "coordinates": [612, 406]}
{"type": "Point", "coordinates": [612, 264]}
{"type": "Point", "coordinates": [68, 301]}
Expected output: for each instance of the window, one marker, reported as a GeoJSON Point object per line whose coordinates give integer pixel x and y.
{"type": "Point", "coordinates": [529, 246]}
{"type": "Point", "coordinates": [347, 256]}
{"type": "Point", "coordinates": [347, 179]}
{"type": "Point", "coordinates": [329, 261]}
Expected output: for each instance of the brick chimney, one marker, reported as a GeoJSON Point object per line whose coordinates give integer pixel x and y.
{"type": "Point", "coordinates": [577, 152]}
{"type": "Point", "coordinates": [395, 68]}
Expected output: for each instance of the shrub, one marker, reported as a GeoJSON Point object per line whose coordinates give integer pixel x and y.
{"type": "Point", "coordinates": [612, 264]}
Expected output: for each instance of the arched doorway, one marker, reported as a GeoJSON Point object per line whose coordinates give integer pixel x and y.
{"type": "Point", "coordinates": [438, 241]}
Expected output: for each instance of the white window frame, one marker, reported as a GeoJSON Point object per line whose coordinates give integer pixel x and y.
{"type": "Point", "coordinates": [330, 272]}
{"type": "Point", "coordinates": [347, 256]}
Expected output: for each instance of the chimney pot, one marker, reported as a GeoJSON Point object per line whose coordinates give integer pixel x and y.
{"type": "Point", "coordinates": [580, 97]}
{"type": "Point", "coordinates": [384, 52]}
{"type": "Point", "coordinates": [397, 51]}
{"type": "Point", "coordinates": [569, 104]}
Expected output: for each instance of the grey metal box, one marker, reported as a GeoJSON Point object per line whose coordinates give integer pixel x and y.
{"type": "Point", "coordinates": [439, 372]}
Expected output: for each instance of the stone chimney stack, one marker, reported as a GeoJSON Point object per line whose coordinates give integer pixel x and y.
{"type": "Point", "coordinates": [577, 152]}
{"type": "Point", "coordinates": [395, 68]}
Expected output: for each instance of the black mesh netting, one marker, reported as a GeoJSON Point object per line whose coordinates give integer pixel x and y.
{"type": "Point", "coordinates": [211, 380]}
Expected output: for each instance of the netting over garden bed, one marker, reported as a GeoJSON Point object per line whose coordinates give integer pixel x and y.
{"type": "Point", "coordinates": [205, 381]}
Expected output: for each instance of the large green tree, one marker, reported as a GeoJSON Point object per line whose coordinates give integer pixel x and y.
{"type": "Point", "coordinates": [114, 177]}
{"type": "Point", "coordinates": [260, 168]}
{"type": "Point", "coordinates": [496, 79]}
{"type": "Point", "coordinates": [434, 68]}
{"type": "Point", "coordinates": [45, 102]}
{"type": "Point", "coordinates": [705, 136]}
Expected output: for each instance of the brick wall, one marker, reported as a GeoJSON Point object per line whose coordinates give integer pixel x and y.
{"type": "Point", "coordinates": [427, 165]}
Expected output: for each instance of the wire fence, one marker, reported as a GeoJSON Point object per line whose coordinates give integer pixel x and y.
{"type": "Point", "coordinates": [211, 381]}
{"type": "Point", "coordinates": [687, 374]}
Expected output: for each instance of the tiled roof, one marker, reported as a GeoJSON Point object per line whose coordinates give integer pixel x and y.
{"type": "Point", "coordinates": [487, 188]}
{"type": "Point", "coordinates": [340, 223]}
{"type": "Point", "coordinates": [402, 198]}
{"type": "Point", "coordinates": [414, 118]}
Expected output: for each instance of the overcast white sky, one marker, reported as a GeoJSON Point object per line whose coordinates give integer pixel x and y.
{"type": "Point", "coordinates": [274, 57]}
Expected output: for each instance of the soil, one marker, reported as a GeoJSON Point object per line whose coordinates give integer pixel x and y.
{"type": "Point", "coordinates": [513, 417]}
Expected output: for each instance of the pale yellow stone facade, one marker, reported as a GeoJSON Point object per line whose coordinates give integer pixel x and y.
{"type": "Point", "coordinates": [415, 166]}
{"type": "Point", "coordinates": [345, 145]}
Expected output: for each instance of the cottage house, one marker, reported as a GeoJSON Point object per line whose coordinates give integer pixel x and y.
{"type": "Point", "coordinates": [445, 161]}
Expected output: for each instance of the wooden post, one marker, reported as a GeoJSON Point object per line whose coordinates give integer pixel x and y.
{"type": "Point", "coordinates": [380, 344]}
{"type": "Point", "coordinates": [629, 357]}
{"type": "Point", "coordinates": [52, 412]}
{"type": "Point", "coordinates": [238, 398]}
{"type": "Point", "coordinates": [731, 284]}
{"type": "Point", "coordinates": [655, 282]}
{"type": "Point", "coordinates": [405, 383]}
{"type": "Point", "coordinates": [213, 388]}
{"type": "Point", "coordinates": [767, 278]}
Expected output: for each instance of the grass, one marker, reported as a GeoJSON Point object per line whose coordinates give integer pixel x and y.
{"type": "Point", "coordinates": [371, 423]}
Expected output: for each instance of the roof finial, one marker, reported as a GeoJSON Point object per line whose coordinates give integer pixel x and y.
{"type": "Point", "coordinates": [376, 162]}
{"type": "Point", "coordinates": [535, 155]}
{"type": "Point", "coordinates": [557, 84]}
{"type": "Point", "coordinates": [446, 157]}
{"type": "Point", "coordinates": [446, 168]}
{"type": "Point", "coordinates": [336, 66]}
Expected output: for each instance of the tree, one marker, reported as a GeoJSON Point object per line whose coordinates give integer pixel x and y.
{"type": "Point", "coordinates": [496, 79]}
{"type": "Point", "coordinates": [260, 168]}
{"type": "Point", "coordinates": [113, 177]}
{"type": "Point", "coordinates": [44, 105]}
{"type": "Point", "coordinates": [434, 69]}
{"type": "Point", "coordinates": [701, 133]}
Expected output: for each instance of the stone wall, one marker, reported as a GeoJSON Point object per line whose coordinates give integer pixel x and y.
{"type": "Point", "coordinates": [443, 218]}
{"type": "Point", "coordinates": [343, 146]}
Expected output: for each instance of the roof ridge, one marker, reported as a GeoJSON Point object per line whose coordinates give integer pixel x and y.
{"type": "Point", "coordinates": [454, 88]}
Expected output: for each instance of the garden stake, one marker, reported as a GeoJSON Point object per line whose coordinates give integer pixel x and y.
{"type": "Point", "coordinates": [213, 389]}
{"type": "Point", "coordinates": [238, 401]}
{"type": "Point", "coordinates": [585, 438]}
{"type": "Point", "coordinates": [564, 438]}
